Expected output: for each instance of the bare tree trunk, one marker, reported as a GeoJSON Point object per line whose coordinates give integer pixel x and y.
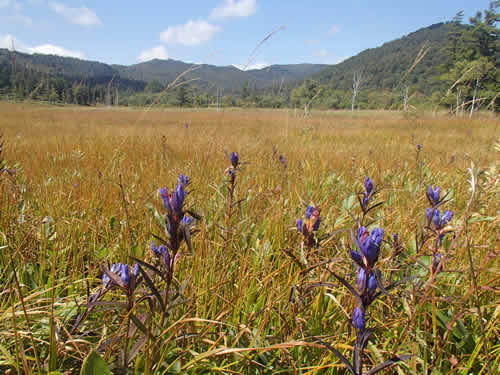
{"type": "Point", "coordinates": [357, 80]}
{"type": "Point", "coordinates": [474, 97]}
{"type": "Point", "coordinates": [458, 98]}
{"type": "Point", "coordinates": [405, 100]}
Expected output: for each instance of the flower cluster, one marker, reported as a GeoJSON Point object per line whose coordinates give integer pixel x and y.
{"type": "Point", "coordinates": [310, 225]}
{"type": "Point", "coordinates": [120, 276]}
{"type": "Point", "coordinates": [437, 222]}
{"type": "Point", "coordinates": [177, 223]}
{"type": "Point", "coordinates": [367, 195]}
{"type": "Point", "coordinates": [366, 278]}
{"type": "Point", "coordinates": [283, 161]}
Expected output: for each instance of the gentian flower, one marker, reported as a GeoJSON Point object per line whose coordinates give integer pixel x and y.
{"type": "Point", "coordinates": [369, 185]}
{"type": "Point", "coordinates": [166, 195]}
{"type": "Point", "coordinates": [428, 214]}
{"type": "Point", "coordinates": [433, 195]}
{"type": "Point", "coordinates": [356, 257]}
{"type": "Point", "coordinates": [309, 211]}
{"type": "Point", "coordinates": [361, 279]}
{"type": "Point", "coordinates": [372, 283]}
{"type": "Point", "coordinates": [135, 270]}
{"type": "Point", "coordinates": [316, 223]}
{"type": "Point", "coordinates": [183, 179]}
{"type": "Point", "coordinates": [283, 161]}
{"type": "Point", "coordinates": [365, 201]}
{"type": "Point", "coordinates": [187, 220]}
{"type": "Point", "coordinates": [370, 244]}
{"type": "Point", "coordinates": [436, 218]}
{"type": "Point", "coordinates": [300, 224]}
{"type": "Point", "coordinates": [234, 159]}
{"type": "Point", "coordinates": [358, 319]}
{"type": "Point", "coordinates": [178, 199]}
{"type": "Point", "coordinates": [419, 147]}
{"type": "Point", "coordinates": [436, 259]}
{"type": "Point", "coordinates": [447, 216]}
{"type": "Point", "coordinates": [125, 276]}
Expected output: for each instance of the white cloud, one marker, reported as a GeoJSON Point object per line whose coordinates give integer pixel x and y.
{"type": "Point", "coordinates": [16, 10]}
{"type": "Point", "coordinates": [190, 34]}
{"type": "Point", "coordinates": [8, 40]}
{"type": "Point", "coordinates": [234, 8]}
{"type": "Point", "coordinates": [50, 49]}
{"type": "Point", "coordinates": [252, 66]}
{"type": "Point", "coordinates": [158, 52]}
{"type": "Point", "coordinates": [333, 30]}
{"type": "Point", "coordinates": [323, 52]}
{"type": "Point", "coordinates": [82, 16]}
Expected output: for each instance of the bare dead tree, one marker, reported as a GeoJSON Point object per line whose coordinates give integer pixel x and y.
{"type": "Point", "coordinates": [357, 82]}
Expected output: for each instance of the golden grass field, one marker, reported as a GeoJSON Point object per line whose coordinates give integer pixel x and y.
{"type": "Point", "coordinates": [82, 193]}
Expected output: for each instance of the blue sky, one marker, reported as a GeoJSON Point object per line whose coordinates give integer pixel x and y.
{"type": "Point", "coordinates": [220, 32]}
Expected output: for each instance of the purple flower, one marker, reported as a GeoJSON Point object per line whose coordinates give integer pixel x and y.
{"type": "Point", "coordinates": [365, 200]}
{"type": "Point", "coordinates": [419, 147]}
{"type": "Point", "coordinates": [395, 237]}
{"type": "Point", "coordinates": [183, 179]}
{"type": "Point", "coordinates": [447, 216]}
{"type": "Point", "coordinates": [358, 319]}
{"type": "Point", "coordinates": [125, 276]}
{"type": "Point", "coordinates": [283, 161]}
{"type": "Point", "coordinates": [361, 279]}
{"type": "Point", "coordinates": [187, 220]}
{"type": "Point", "coordinates": [234, 157]}
{"type": "Point", "coordinates": [309, 211]}
{"type": "Point", "coordinates": [167, 259]}
{"type": "Point", "coordinates": [105, 280]}
{"type": "Point", "coordinates": [178, 199]}
{"type": "Point", "coordinates": [433, 195]}
{"type": "Point", "coordinates": [428, 214]}
{"type": "Point", "coordinates": [436, 259]}
{"type": "Point", "coordinates": [372, 283]}
{"type": "Point", "coordinates": [368, 185]}
{"type": "Point", "coordinates": [436, 218]}
{"type": "Point", "coordinates": [440, 221]}
{"type": "Point", "coordinates": [158, 251]}
{"type": "Point", "coordinates": [166, 195]}
{"type": "Point", "coordinates": [356, 257]}
{"type": "Point", "coordinates": [299, 223]}
{"type": "Point", "coordinates": [316, 224]}
{"type": "Point", "coordinates": [135, 270]}
{"type": "Point", "coordinates": [370, 244]}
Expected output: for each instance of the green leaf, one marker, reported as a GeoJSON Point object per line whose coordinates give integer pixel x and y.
{"type": "Point", "coordinates": [95, 365]}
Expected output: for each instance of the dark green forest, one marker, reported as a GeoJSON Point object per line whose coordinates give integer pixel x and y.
{"type": "Point", "coordinates": [451, 65]}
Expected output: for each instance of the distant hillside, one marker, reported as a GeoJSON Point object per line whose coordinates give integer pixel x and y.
{"type": "Point", "coordinates": [227, 77]}
{"type": "Point", "coordinates": [383, 67]}
{"type": "Point", "coordinates": [163, 71]}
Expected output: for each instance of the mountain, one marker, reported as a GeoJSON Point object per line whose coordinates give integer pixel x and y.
{"type": "Point", "coordinates": [384, 67]}
{"type": "Point", "coordinates": [226, 77]}
{"type": "Point", "coordinates": [162, 71]}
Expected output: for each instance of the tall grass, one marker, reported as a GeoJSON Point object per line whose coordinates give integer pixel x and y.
{"type": "Point", "coordinates": [85, 183]}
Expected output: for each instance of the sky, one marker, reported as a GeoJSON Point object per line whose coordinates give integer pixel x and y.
{"type": "Point", "coordinates": [218, 32]}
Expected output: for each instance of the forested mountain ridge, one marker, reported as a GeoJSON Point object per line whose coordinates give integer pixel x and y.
{"type": "Point", "coordinates": [161, 71]}
{"type": "Point", "coordinates": [226, 77]}
{"type": "Point", "coordinates": [384, 67]}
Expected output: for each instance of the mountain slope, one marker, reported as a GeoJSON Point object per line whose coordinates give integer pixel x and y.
{"type": "Point", "coordinates": [163, 71]}
{"type": "Point", "coordinates": [384, 67]}
{"type": "Point", "coordinates": [226, 77]}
